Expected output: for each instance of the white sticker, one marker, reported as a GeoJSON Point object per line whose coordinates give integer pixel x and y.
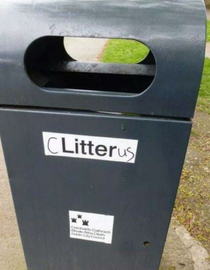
{"type": "Point", "coordinates": [91, 227]}
{"type": "Point", "coordinates": [90, 147]}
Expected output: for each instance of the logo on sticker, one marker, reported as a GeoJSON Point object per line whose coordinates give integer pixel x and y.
{"type": "Point", "coordinates": [90, 147]}
{"type": "Point", "coordinates": [91, 227]}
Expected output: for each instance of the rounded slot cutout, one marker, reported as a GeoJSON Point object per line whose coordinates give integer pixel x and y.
{"type": "Point", "coordinates": [116, 66]}
{"type": "Point", "coordinates": [101, 50]}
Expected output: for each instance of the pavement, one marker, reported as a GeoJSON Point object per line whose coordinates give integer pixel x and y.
{"type": "Point", "coordinates": [208, 43]}
{"type": "Point", "coordinates": [85, 49]}
{"type": "Point", "coordinates": [208, 14]}
{"type": "Point", "coordinates": [208, 49]}
{"type": "Point", "coordinates": [181, 252]}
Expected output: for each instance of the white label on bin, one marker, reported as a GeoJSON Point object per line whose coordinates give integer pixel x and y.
{"type": "Point", "coordinates": [90, 147]}
{"type": "Point", "coordinates": [91, 227]}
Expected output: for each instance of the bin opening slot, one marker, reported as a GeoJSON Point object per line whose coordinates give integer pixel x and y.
{"type": "Point", "coordinates": [123, 66]}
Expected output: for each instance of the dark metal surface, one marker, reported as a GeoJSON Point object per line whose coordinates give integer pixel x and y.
{"type": "Point", "coordinates": [140, 196]}
{"type": "Point", "coordinates": [173, 30]}
{"type": "Point", "coordinates": [125, 69]}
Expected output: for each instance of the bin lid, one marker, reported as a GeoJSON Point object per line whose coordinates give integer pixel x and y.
{"type": "Point", "coordinates": [174, 31]}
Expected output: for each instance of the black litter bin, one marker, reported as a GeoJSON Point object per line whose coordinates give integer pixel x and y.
{"type": "Point", "coordinates": [96, 190]}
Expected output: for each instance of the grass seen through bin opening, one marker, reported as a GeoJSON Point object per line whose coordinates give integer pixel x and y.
{"type": "Point", "coordinates": [124, 51]}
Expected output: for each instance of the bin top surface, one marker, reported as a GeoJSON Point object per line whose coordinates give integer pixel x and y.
{"type": "Point", "coordinates": [175, 32]}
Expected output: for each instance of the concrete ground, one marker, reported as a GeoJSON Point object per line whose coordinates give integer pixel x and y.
{"type": "Point", "coordinates": [208, 49]}
{"type": "Point", "coordinates": [181, 252]}
{"type": "Point", "coordinates": [11, 253]}
{"type": "Point", "coordinates": [208, 43]}
{"type": "Point", "coordinates": [84, 49]}
{"type": "Point", "coordinates": [208, 14]}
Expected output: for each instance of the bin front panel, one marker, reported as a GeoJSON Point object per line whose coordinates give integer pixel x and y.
{"type": "Point", "coordinates": [139, 195]}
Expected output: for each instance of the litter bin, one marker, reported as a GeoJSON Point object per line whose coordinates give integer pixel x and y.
{"type": "Point", "coordinates": [95, 190]}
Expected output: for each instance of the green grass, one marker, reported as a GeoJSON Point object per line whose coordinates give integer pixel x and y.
{"type": "Point", "coordinates": [124, 51]}
{"type": "Point", "coordinates": [204, 94]}
{"type": "Point", "coordinates": [208, 31]}
{"type": "Point", "coordinates": [130, 52]}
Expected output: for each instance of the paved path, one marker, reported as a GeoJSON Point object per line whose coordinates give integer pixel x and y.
{"type": "Point", "coordinates": [208, 49]}
{"type": "Point", "coordinates": [208, 14]}
{"type": "Point", "coordinates": [85, 49]}
{"type": "Point", "coordinates": [11, 254]}
{"type": "Point", "coordinates": [208, 43]}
